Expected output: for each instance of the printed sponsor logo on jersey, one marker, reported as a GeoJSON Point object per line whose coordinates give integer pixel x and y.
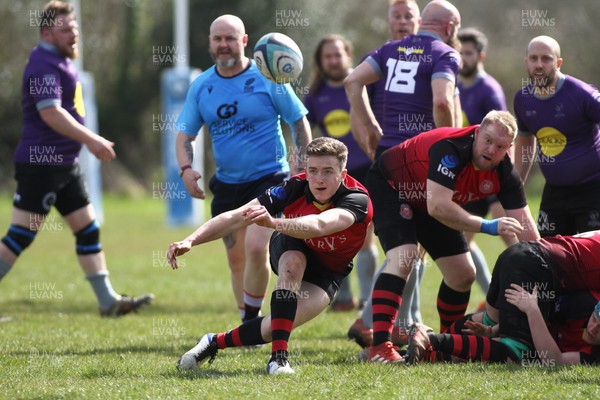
{"type": "Point", "coordinates": [551, 141]}
{"type": "Point", "coordinates": [406, 211]}
{"type": "Point", "coordinates": [227, 110]}
{"type": "Point", "coordinates": [278, 192]}
{"type": "Point", "coordinates": [449, 161]}
{"type": "Point", "coordinates": [337, 123]}
{"type": "Point", "coordinates": [410, 50]}
{"type": "Point", "coordinates": [326, 243]}
{"type": "Point", "coordinates": [486, 186]}
{"type": "Point", "coordinates": [248, 86]}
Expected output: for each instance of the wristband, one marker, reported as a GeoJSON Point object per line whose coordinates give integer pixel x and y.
{"type": "Point", "coordinates": [490, 227]}
{"type": "Point", "coordinates": [186, 166]}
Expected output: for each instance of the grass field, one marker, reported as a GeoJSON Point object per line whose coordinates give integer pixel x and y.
{"type": "Point", "coordinates": [58, 347]}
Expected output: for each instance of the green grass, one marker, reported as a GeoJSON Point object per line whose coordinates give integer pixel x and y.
{"type": "Point", "coordinates": [58, 347]}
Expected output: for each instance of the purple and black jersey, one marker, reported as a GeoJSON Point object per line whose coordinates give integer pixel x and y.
{"type": "Point", "coordinates": [330, 110]}
{"type": "Point", "coordinates": [49, 80]}
{"type": "Point", "coordinates": [566, 127]}
{"type": "Point", "coordinates": [407, 67]}
{"type": "Point", "coordinates": [483, 96]}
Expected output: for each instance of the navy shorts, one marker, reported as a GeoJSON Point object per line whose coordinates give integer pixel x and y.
{"type": "Point", "coordinates": [41, 187]}
{"type": "Point", "coordinates": [228, 197]}
{"type": "Point", "coordinates": [397, 223]}
{"type": "Point", "coordinates": [315, 272]}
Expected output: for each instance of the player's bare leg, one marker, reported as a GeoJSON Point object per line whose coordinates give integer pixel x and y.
{"type": "Point", "coordinates": [257, 270]}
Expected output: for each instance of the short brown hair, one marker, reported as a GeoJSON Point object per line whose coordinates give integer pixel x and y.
{"type": "Point", "coordinates": [327, 146]}
{"type": "Point", "coordinates": [52, 10]}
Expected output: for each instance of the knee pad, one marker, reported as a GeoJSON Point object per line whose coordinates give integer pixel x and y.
{"type": "Point", "coordinates": [18, 238]}
{"type": "Point", "coordinates": [88, 239]}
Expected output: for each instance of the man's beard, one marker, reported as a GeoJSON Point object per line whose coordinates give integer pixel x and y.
{"type": "Point", "coordinates": [224, 64]}
{"type": "Point", "coordinates": [542, 82]}
{"type": "Point", "coordinates": [336, 76]}
{"type": "Point", "coordinates": [468, 72]}
{"type": "Point", "coordinates": [454, 43]}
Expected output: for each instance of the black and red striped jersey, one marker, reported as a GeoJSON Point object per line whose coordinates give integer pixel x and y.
{"type": "Point", "coordinates": [444, 155]}
{"type": "Point", "coordinates": [294, 199]}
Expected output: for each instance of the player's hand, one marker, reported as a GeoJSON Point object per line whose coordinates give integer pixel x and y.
{"type": "Point", "coordinates": [374, 135]}
{"type": "Point", "coordinates": [508, 226]}
{"type": "Point", "coordinates": [101, 148]}
{"type": "Point", "coordinates": [479, 329]}
{"type": "Point", "coordinates": [259, 216]}
{"type": "Point", "coordinates": [190, 179]}
{"type": "Point", "coordinates": [521, 298]}
{"type": "Point", "coordinates": [177, 249]}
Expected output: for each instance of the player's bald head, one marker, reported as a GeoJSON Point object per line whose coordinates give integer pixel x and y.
{"type": "Point", "coordinates": [440, 12]}
{"type": "Point", "coordinates": [546, 41]}
{"type": "Point", "coordinates": [228, 21]}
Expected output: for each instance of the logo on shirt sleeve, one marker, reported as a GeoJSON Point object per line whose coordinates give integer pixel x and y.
{"type": "Point", "coordinates": [448, 162]}
{"type": "Point", "coordinates": [277, 193]}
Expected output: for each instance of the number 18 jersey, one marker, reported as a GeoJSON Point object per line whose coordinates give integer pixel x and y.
{"type": "Point", "coordinates": [408, 66]}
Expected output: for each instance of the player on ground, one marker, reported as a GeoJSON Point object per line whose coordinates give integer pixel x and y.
{"type": "Point", "coordinates": [561, 114]}
{"type": "Point", "coordinates": [418, 188]}
{"type": "Point", "coordinates": [326, 217]}
{"type": "Point", "coordinates": [46, 159]}
{"type": "Point", "coordinates": [241, 110]}
{"type": "Point", "coordinates": [553, 281]}
{"type": "Point", "coordinates": [328, 108]}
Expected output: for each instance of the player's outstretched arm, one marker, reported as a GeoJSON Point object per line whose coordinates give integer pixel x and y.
{"type": "Point", "coordinates": [441, 207]}
{"type": "Point", "coordinates": [545, 346]}
{"type": "Point", "coordinates": [62, 122]}
{"type": "Point", "coordinates": [213, 229]}
{"type": "Point", "coordinates": [305, 227]}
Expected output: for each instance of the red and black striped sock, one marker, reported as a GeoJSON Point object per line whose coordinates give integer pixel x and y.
{"type": "Point", "coordinates": [386, 298]}
{"type": "Point", "coordinates": [458, 325]}
{"type": "Point", "coordinates": [283, 311]}
{"type": "Point", "coordinates": [247, 334]}
{"type": "Point", "coordinates": [471, 347]}
{"type": "Point", "coordinates": [451, 305]}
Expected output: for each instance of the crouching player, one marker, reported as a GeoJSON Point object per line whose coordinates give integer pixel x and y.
{"type": "Point", "coordinates": [326, 216]}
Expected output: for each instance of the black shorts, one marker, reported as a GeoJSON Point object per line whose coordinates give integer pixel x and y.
{"type": "Point", "coordinates": [231, 196]}
{"type": "Point", "coordinates": [481, 207]}
{"type": "Point", "coordinates": [526, 265]}
{"type": "Point", "coordinates": [315, 272]}
{"type": "Point", "coordinates": [397, 223]}
{"type": "Point", "coordinates": [568, 210]}
{"type": "Point", "coordinates": [360, 174]}
{"type": "Point", "coordinates": [41, 187]}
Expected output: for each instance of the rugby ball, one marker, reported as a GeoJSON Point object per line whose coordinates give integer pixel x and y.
{"type": "Point", "coordinates": [278, 57]}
